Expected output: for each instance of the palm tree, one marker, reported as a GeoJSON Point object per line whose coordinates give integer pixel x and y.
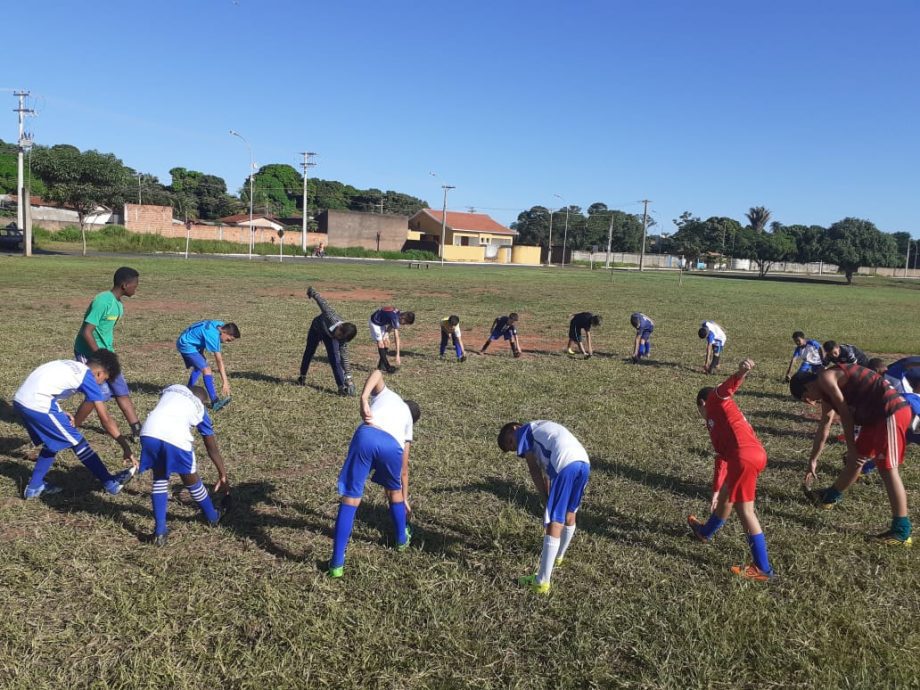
{"type": "Point", "coordinates": [758, 217]}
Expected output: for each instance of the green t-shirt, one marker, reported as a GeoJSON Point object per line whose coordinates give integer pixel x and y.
{"type": "Point", "coordinates": [103, 312]}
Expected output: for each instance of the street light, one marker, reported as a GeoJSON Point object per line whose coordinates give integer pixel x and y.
{"type": "Point", "coordinates": [446, 188]}
{"type": "Point", "coordinates": [251, 169]}
{"type": "Point", "coordinates": [565, 235]}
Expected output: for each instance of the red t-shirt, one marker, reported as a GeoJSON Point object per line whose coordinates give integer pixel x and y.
{"type": "Point", "coordinates": [729, 430]}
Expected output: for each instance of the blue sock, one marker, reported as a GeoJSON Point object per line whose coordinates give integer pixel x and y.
{"type": "Point", "coordinates": [203, 499]}
{"type": "Point", "coordinates": [91, 461]}
{"type": "Point", "coordinates": [344, 522]}
{"type": "Point", "coordinates": [458, 350]}
{"type": "Point", "coordinates": [713, 525]}
{"type": "Point", "coordinates": [868, 467]}
{"type": "Point", "coordinates": [209, 384]}
{"type": "Point", "coordinates": [646, 348]}
{"type": "Point", "coordinates": [900, 526]}
{"type": "Point", "coordinates": [193, 377]}
{"type": "Point", "coordinates": [831, 495]}
{"type": "Point", "coordinates": [42, 465]}
{"type": "Point", "coordinates": [159, 498]}
{"type": "Point", "coordinates": [758, 546]}
{"type": "Point", "coordinates": [398, 513]}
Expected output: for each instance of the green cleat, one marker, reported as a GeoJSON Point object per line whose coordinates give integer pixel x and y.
{"type": "Point", "coordinates": [405, 545]}
{"type": "Point", "coordinates": [335, 573]}
{"type": "Point", "coordinates": [530, 582]}
{"type": "Point", "coordinates": [218, 405]}
{"type": "Point", "coordinates": [559, 561]}
{"type": "Point", "coordinates": [891, 538]}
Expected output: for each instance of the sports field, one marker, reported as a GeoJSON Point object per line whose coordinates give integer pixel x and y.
{"type": "Point", "coordinates": [87, 603]}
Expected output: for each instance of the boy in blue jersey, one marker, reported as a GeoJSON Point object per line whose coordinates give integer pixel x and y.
{"type": "Point", "coordinates": [450, 330]}
{"type": "Point", "coordinates": [715, 339]}
{"type": "Point", "coordinates": [335, 333]}
{"type": "Point", "coordinates": [559, 468]}
{"type": "Point", "coordinates": [504, 327]}
{"type": "Point", "coordinates": [49, 427]}
{"type": "Point", "coordinates": [166, 448]}
{"type": "Point", "coordinates": [644, 327]}
{"type": "Point", "coordinates": [808, 352]}
{"type": "Point", "coordinates": [381, 323]}
{"type": "Point", "coordinates": [207, 336]}
{"type": "Point", "coordinates": [379, 448]}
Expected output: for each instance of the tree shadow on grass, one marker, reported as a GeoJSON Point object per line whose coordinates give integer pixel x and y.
{"type": "Point", "coordinates": [765, 394]}
{"type": "Point", "coordinates": [784, 433]}
{"type": "Point", "coordinates": [653, 480]}
{"type": "Point", "coordinates": [773, 278]}
{"type": "Point", "coordinates": [255, 376]}
{"type": "Point", "coordinates": [774, 415]}
{"type": "Point", "coordinates": [660, 364]}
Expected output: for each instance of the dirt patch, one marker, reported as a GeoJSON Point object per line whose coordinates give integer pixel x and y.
{"type": "Point", "coordinates": [158, 346]}
{"type": "Point", "coordinates": [354, 295]}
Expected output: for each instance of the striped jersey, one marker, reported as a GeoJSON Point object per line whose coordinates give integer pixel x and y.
{"type": "Point", "coordinates": [870, 397]}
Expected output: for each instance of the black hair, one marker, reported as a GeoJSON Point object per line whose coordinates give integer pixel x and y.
{"type": "Point", "coordinates": [407, 317]}
{"type": "Point", "coordinates": [506, 431]}
{"type": "Point", "coordinates": [703, 394]}
{"type": "Point", "coordinates": [124, 275]}
{"type": "Point", "coordinates": [106, 359]}
{"type": "Point", "coordinates": [829, 345]}
{"type": "Point", "coordinates": [453, 320]}
{"type": "Point", "coordinates": [414, 410]}
{"type": "Point", "coordinates": [596, 320]}
{"type": "Point", "coordinates": [201, 394]}
{"type": "Point", "coordinates": [513, 316]}
{"type": "Point", "coordinates": [345, 332]}
{"type": "Point", "coordinates": [634, 320]}
{"type": "Point", "coordinates": [703, 332]}
{"type": "Point", "coordinates": [799, 381]}
{"type": "Point", "coordinates": [876, 363]}
{"type": "Point", "coordinates": [797, 335]}
{"type": "Point", "coordinates": [231, 329]}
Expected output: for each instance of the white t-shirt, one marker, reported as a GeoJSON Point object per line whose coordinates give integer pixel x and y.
{"type": "Point", "coordinates": [55, 381]}
{"type": "Point", "coordinates": [174, 416]}
{"type": "Point", "coordinates": [392, 415]}
{"type": "Point", "coordinates": [554, 446]}
{"type": "Point", "coordinates": [716, 334]}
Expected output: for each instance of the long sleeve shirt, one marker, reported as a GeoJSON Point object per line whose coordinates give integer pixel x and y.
{"type": "Point", "coordinates": [330, 319]}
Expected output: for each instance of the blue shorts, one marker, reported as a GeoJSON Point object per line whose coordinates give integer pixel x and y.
{"type": "Point", "coordinates": [371, 449]}
{"type": "Point", "coordinates": [155, 452]}
{"type": "Point", "coordinates": [194, 360]}
{"type": "Point", "coordinates": [566, 491]}
{"type": "Point", "coordinates": [646, 334]}
{"type": "Point", "coordinates": [498, 333]}
{"type": "Point", "coordinates": [808, 368]}
{"type": "Point", "coordinates": [117, 387]}
{"type": "Point", "coordinates": [50, 429]}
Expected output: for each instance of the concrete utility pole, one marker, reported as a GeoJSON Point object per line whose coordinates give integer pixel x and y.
{"type": "Point", "coordinates": [306, 165]}
{"type": "Point", "coordinates": [644, 231]}
{"type": "Point", "coordinates": [609, 241]}
{"type": "Point", "coordinates": [446, 188]}
{"type": "Point", "coordinates": [139, 198]}
{"type": "Point", "coordinates": [549, 254]}
{"type": "Point", "coordinates": [252, 166]}
{"type": "Point", "coordinates": [907, 258]}
{"type": "Point", "coordinates": [22, 199]}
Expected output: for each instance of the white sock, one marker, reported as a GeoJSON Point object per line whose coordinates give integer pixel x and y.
{"type": "Point", "coordinates": [548, 558]}
{"type": "Point", "coordinates": [567, 533]}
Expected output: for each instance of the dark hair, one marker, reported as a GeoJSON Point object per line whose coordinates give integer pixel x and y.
{"type": "Point", "coordinates": [703, 332]}
{"type": "Point", "coordinates": [345, 332]}
{"type": "Point", "coordinates": [407, 317]}
{"type": "Point", "coordinates": [506, 432]}
{"type": "Point", "coordinates": [596, 320]}
{"type": "Point", "coordinates": [829, 345]}
{"type": "Point", "coordinates": [876, 363]}
{"type": "Point", "coordinates": [634, 320]}
{"type": "Point", "coordinates": [703, 394]}
{"type": "Point", "coordinates": [231, 329]}
{"type": "Point", "coordinates": [797, 335]}
{"type": "Point", "coordinates": [414, 410]}
{"type": "Point", "coordinates": [201, 394]}
{"type": "Point", "coordinates": [513, 316]}
{"type": "Point", "coordinates": [799, 381]}
{"type": "Point", "coordinates": [453, 320]}
{"type": "Point", "coordinates": [124, 275]}
{"type": "Point", "coordinates": [106, 359]}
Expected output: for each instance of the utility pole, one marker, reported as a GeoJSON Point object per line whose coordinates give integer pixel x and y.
{"type": "Point", "coordinates": [380, 206]}
{"type": "Point", "coordinates": [139, 198]}
{"type": "Point", "coordinates": [446, 188]}
{"type": "Point", "coordinates": [609, 241]}
{"type": "Point", "coordinates": [25, 143]}
{"type": "Point", "coordinates": [907, 259]}
{"type": "Point", "coordinates": [549, 254]}
{"type": "Point", "coordinates": [644, 231]}
{"type": "Point", "coordinates": [306, 165]}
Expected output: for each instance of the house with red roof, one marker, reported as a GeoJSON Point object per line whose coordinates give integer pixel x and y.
{"type": "Point", "coordinates": [462, 230]}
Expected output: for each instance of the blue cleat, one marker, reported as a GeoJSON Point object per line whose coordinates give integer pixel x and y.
{"type": "Point", "coordinates": [118, 481]}
{"type": "Point", "coordinates": [221, 403]}
{"type": "Point", "coordinates": [45, 489]}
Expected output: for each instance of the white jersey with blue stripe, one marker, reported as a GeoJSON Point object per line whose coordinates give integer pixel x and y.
{"type": "Point", "coordinates": [716, 334]}
{"type": "Point", "coordinates": [810, 352]}
{"type": "Point", "coordinates": [390, 413]}
{"type": "Point", "coordinates": [174, 416]}
{"type": "Point", "coordinates": [55, 381]}
{"type": "Point", "coordinates": [554, 446]}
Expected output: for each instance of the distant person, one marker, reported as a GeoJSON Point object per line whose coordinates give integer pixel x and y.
{"type": "Point", "coordinates": [450, 330]}
{"type": "Point", "coordinates": [383, 321]}
{"type": "Point", "coordinates": [207, 336]}
{"type": "Point", "coordinates": [379, 449]}
{"type": "Point", "coordinates": [98, 332]}
{"type": "Point", "coordinates": [38, 403]}
{"type": "Point", "coordinates": [504, 327]}
{"type": "Point", "coordinates": [808, 353]}
{"type": "Point", "coordinates": [335, 333]}
{"type": "Point", "coordinates": [644, 326]}
{"type": "Point", "coordinates": [739, 460]}
{"type": "Point", "coordinates": [843, 354]}
{"type": "Point", "coordinates": [320, 251]}
{"type": "Point", "coordinates": [560, 469]}
{"type": "Point", "coordinates": [715, 339]}
{"type": "Point", "coordinates": [580, 330]}
{"type": "Point", "coordinates": [167, 448]}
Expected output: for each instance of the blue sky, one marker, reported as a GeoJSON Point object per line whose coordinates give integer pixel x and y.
{"type": "Point", "coordinates": [808, 108]}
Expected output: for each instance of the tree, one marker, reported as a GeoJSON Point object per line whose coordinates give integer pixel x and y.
{"type": "Point", "coordinates": [695, 237]}
{"type": "Point", "coordinates": [198, 195]}
{"type": "Point", "coordinates": [766, 248]}
{"type": "Point", "coordinates": [809, 241]}
{"type": "Point", "coordinates": [758, 217]}
{"type": "Point", "coordinates": [83, 181]}
{"type": "Point", "coordinates": [277, 189]}
{"type": "Point", "coordinates": [854, 242]}
{"type": "Point", "coordinates": [533, 226]}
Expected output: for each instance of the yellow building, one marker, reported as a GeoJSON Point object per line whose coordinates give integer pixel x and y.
{"type": "Point", "coordinates": [467, 236]}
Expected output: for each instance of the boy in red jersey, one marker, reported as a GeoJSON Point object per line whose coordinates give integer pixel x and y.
{"type": "Point", "coordinates": [860, 396]}
{"type": "Point", "coordinates": [739, 459]}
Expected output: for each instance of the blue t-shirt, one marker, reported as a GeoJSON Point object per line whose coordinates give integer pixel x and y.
{"type": "Point", "coordinates": [810, 352]}
{"type": "Point", "coordinates": [387, 317]}
{"type": "Point", "coordinates": [503, 324]}
{"type": "Point", "coordinates": [204, 335]}
{"type": "Point", "coordinates": [643, 322]}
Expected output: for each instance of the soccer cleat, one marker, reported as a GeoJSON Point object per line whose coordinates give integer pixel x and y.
{"type": "Point", "coordinates": [335, 573]}
{"type": "Point", "coordinates": [301, 380]}
{"type": "Point", "coordinates": [45, 489]}
{"type": "Point", "coordinates": [890, 538]}
{"type": "Point", "coordinates": [462, 359]}
{"type": "Point", "coordinates": [221, 509]}
{"type": "Point", "coordinates": [695, 527]}
{"type": "Point", "coordinates": [118, 481]}
{"type": "Point", "coordinates": [571, 351]}
{"type": "Point", "coordinates": [530, 582]}
{"type": "Point", "coordinates": [752, 572]}
{"type": "Point", "coordinates": [559, 561]}
{"type": "Point", "coordinates": [390, 369]}
{"type": "Point", "coordinates": [160, 539]}
{"type": "Point", "coordinates": [816, 496]}
{"type": "Point", "coordinates": [587, 355]}
{"type": "Point", "coordinates": [405, 545]}
{"type": "Point", "coordinates": [218, 405]}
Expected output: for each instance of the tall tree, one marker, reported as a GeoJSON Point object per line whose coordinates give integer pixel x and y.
{"type": "Point", "coordinates": [532, 226]}
{"type": "Point", "coordinates": [758, 217]}
{"type": "Point", "coordinates": [809, 241]}
{"type": "Point", "coordinates": [766, 248]}
{"type": "Point", "coordinates": [277, 189]}
{"type": "Point", "coordinates": [201, 196]}
{"type": "Point", "coordinates": [854, 242]}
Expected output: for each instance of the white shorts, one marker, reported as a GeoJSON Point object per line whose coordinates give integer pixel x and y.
{"type": "Point", "coordinates": [378, 333]}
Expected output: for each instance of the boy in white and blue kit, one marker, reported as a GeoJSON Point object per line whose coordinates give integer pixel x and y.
{"type": "Point", "coordinates": [809, 354]}
{"type": "Point", "coordinates": [38, 403]}
{"type": "Point", "coordinates": [715, 342]}
{"type": "Point", "coordinates": [207, 336]}
{"type": "Point", "coordinates": [644, 327]}
{"type": "Point", "coordinates": [380, 445]}
{"type": "Point", "coordinates": [166, 448]}
{"type": "Point", "coordinates": [560, 469]}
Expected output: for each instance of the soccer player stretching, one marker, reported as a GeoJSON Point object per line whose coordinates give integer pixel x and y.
{"type": "Point", "coordinates": [739, 460]}
{"type": "Point", "coordinates": [335, 333]}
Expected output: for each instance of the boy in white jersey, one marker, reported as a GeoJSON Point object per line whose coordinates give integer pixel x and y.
{"type": "Point", "coordinates": [166, 448]}
{"type": "Point", "coordinates": [380, 444]}
{"type": "Point", "coordinates": [560, 469]}
{"type": "Point", "coordinates": [37, 402]}
{"type": "Point", "coordinates": [715, 341]}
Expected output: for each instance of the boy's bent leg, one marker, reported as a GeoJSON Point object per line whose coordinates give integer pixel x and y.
{"type": "Point", "coordinates": [308, 352]}
{"type": "Point", "coordinates": [37, 485]}
{"type": "Point", "coordinates": [568, 531]}
{"type": "Point", "coordinates": [159, 498]}
{"type": "Point", "coordinates": [756, 540]}
{"type": "Point", "coordinates": [551, 544]}
{"type": "Point", "coordinates": [199, 493]}
{"type": "Point", "coordinates": [344, 523]}
{"type": "Point", "coordinates": [92, 461]}
{"type": "Point", "coordinates": [398, 515]}
{"type": "Point", "coordinates": [901, 527]}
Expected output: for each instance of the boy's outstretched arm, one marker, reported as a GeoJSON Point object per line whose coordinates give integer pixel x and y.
{"type": "Point", "coordinates": [636, 344]}
{"type": "Point", "coordinates": [210, 445]}
{"type": "Point", "coordinates": [373, 386]}
{"type": "Point", "coordinates": [789, 370]}
{"type": "Point", "coordinates": [730, 385]}
{"type": "Point", "coordinates": [536, 474]}
{"type": "Point", "coordinates": [817, 446]}
{"type": "Point", "coordinates": [111, 428]}
{"type": "Point", "coordinates": [396, 335]}
{"type": "Point", "coordinates": [225, 389]}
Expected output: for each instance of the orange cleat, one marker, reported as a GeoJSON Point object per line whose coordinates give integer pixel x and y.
{"type": "Point", "coordinates": [752, 572]}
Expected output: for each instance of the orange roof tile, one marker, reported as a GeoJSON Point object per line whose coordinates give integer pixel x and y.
{"type": "Point", "coordinates": [470, 222]}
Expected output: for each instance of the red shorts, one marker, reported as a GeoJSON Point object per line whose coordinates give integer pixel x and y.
{"type": "Point", "coordinates": [742, 473]}
{"type": "Point", "coordinates": [884, 440]}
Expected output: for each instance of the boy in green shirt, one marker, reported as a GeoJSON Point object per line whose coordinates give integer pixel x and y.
{"type": "Point", "coordinates": [98, 332]}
